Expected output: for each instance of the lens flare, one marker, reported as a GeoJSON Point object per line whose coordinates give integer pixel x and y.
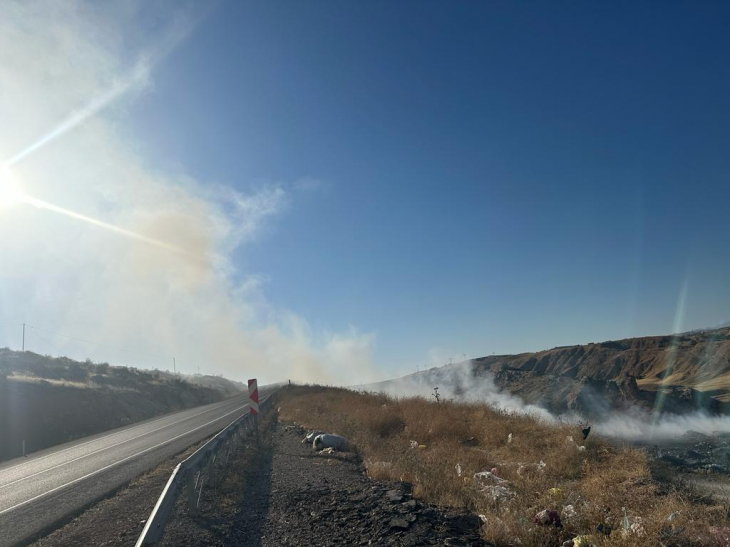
{"type": "Point", "coordinates": [10, 194]}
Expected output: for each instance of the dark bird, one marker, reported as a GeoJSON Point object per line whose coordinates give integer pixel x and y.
{"type": "Point", "coordinates": [586, 432]}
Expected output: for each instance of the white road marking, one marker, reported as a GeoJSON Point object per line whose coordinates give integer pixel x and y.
{"type": "Point", "coordinates": [115, 463]}
{"type": "Point", "coordinates": [16, 481]}
{"type": "Point", "coordinates": [33, 460]}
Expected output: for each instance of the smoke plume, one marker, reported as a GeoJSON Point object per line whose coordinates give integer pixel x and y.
{"type": "Point", "coordinates": [69, 76]}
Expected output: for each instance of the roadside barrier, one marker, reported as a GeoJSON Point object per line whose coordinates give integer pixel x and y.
{"type": "Point", "coordinates": [199, 471]}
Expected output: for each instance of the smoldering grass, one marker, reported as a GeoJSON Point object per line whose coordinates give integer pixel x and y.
{"type": "Point", "coordinates": [438, 448]}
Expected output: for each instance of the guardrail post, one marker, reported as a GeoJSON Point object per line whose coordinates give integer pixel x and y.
{"type": "Point", "coordinates": [190, 480]}
{"type": "Point", "coordinates": [211, 470]}
{"type": "Point", "coordinates": [203, 462]}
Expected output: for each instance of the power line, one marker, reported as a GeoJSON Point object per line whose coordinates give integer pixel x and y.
{"type": "Point", "coordinates": [84, 341]}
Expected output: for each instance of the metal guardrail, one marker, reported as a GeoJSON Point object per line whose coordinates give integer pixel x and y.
{"type": "Point", "coordinates": [192, 473]}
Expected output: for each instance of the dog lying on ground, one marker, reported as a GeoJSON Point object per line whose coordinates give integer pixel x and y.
{"type": "Point", "coordinates": [327, 440]}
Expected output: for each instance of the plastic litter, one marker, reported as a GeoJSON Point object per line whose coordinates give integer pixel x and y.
{"type": "Point", "coordinates": [568, 512]}
{"type": "Point", "coordinates": [583, 541]}
{"type": "Point", "coordinates": [458, 470]}
{"type": "Point", "coordinates": [673, 516]}
{"type": "Point", "coordinates": [548, 517]}
{"type": "Point", "coordinates": [581, 448]}
{"type": "Point", "coordinates": [569, 439]}
{"type": "Point", "coordinates": [494, 471]}
{"type": "Point", "coordinates": [604, 529]}
{"type": "Point", "coordinates": [586, 432]}
{"type": "Point", "coordinates": [525, 467]}
{"type": "Point", "coordinates": [555, 491]}
{"type": "Point", "coordinates": [492, 486]}
{"type": "Point", "coordinates": [509, 438]}
{"type": "Point", "coordinates": [422, 446]}
{"type": "Point", "coordinates": [414, 444]}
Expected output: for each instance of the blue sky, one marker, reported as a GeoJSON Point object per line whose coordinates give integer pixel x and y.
{"type": "Point", "coordinates": [463, 177]}
{"type": "Point", "coordinates": [494, 176]}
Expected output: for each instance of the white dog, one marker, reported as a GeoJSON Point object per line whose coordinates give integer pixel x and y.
{"type": "Point", "coordinates": [327, 440]}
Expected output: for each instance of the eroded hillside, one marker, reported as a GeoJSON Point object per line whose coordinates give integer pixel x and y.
{"type": "Point", "coordinates": [676, 373]}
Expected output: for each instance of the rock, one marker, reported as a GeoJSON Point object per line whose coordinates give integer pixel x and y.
{"type": "Point", "coordinates": [394, 496]}
{"type": "Point", "coordinates": [464, 524]}
{"type": "Point", "coordinates": [399, 524]}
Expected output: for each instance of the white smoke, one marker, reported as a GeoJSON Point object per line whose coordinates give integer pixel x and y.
{"type": "Point", "coordinates": [69, 75]}
{"type": "Point", "coordinates": [458, 383]}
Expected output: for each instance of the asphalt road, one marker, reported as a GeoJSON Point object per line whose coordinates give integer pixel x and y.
{"type": "Point", "coordinates": [46, 487]}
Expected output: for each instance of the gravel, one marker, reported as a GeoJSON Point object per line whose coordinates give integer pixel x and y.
{"type": "Point", "coordinates": [285, 494]}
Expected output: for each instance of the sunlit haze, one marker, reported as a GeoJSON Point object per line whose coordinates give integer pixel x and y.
{"type": "Point", "coordinates": [345, 192]}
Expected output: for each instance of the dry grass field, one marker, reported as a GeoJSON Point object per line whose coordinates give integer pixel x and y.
{"type": "Point", "coordinates": [533, 465]}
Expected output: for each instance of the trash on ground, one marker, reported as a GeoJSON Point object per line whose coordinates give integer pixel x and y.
{"type": "Point", "coordinates": [329, 450]}
{"type": "Point", "coordinates": [673, 516]}
{"type": "Point", "coordinates": [547, 517]}
{"type": "Point", "coordinates": [525, 467]}
{"type": "Point", "coordinates": [586, 432]}
{"type": "Point", "coordinates": [494, 471]}
{"type": "Point", "coordinates": [458, 470]}
{"type": "Point", "coordinates": [581, 448]}
{"type": "Point", "coordinates": [555, 491]}
{"type": "Point", "coordinates": [568, 512]}
{"type": "Point", "coordinates": [580, 541]}
{"type": "Point", "coordinates": [414, 444]}
{"type": "Point", "coordinates": [509, 438]}
{"type": "Point", "coordinates": [328, 440]}
{"type": "Point", "coordinates": [493, 486]}
{"type": "Point", "coordinates": [422, 447]}
{"type": "Point", "coordinates": [604, 529]}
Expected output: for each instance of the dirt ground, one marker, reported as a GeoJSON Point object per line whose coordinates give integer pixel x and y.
{"type": "Point", "coordinates": [275, 493]}
{"type": "Point", "coordinates": [288, 495]}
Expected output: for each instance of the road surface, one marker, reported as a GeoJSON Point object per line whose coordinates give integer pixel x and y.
{"type": "Point", "coordinates": [46, 487]}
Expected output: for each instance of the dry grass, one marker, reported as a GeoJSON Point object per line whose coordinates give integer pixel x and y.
{"type": "Point", "coordinates": [598, 481]}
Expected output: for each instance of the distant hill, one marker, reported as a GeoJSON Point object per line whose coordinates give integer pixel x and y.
{"type": "Point", "coordinates": [674, 373]}
{"type": "Point", "coordinates": [47, 401]}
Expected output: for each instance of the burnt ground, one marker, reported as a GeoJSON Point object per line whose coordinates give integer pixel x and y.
{"type": "Point", "coordinates": [698, 462]}
{"type": "Point", "coordinates": [288, 495]}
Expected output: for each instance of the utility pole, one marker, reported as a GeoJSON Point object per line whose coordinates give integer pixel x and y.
{"type": "Point", "coordinates": [23, 336]}
{"type": "Point", "coordinates": [174, 366]}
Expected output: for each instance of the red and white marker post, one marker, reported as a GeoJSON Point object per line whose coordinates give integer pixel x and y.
{"type": "Point", "coordinates": [253, 402]}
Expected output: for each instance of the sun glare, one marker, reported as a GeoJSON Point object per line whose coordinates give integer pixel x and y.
{"type": "Point", "coordinates": [10, 194]}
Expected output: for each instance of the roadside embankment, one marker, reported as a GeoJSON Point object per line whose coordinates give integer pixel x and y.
{"type": "Point", "coordinates": [46, 401]}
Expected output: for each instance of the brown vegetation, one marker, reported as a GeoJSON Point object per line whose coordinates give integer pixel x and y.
{"type": "Point", "coordinates": [453, 441]}
{"type": "Point", "coordinates": [45, 401]}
